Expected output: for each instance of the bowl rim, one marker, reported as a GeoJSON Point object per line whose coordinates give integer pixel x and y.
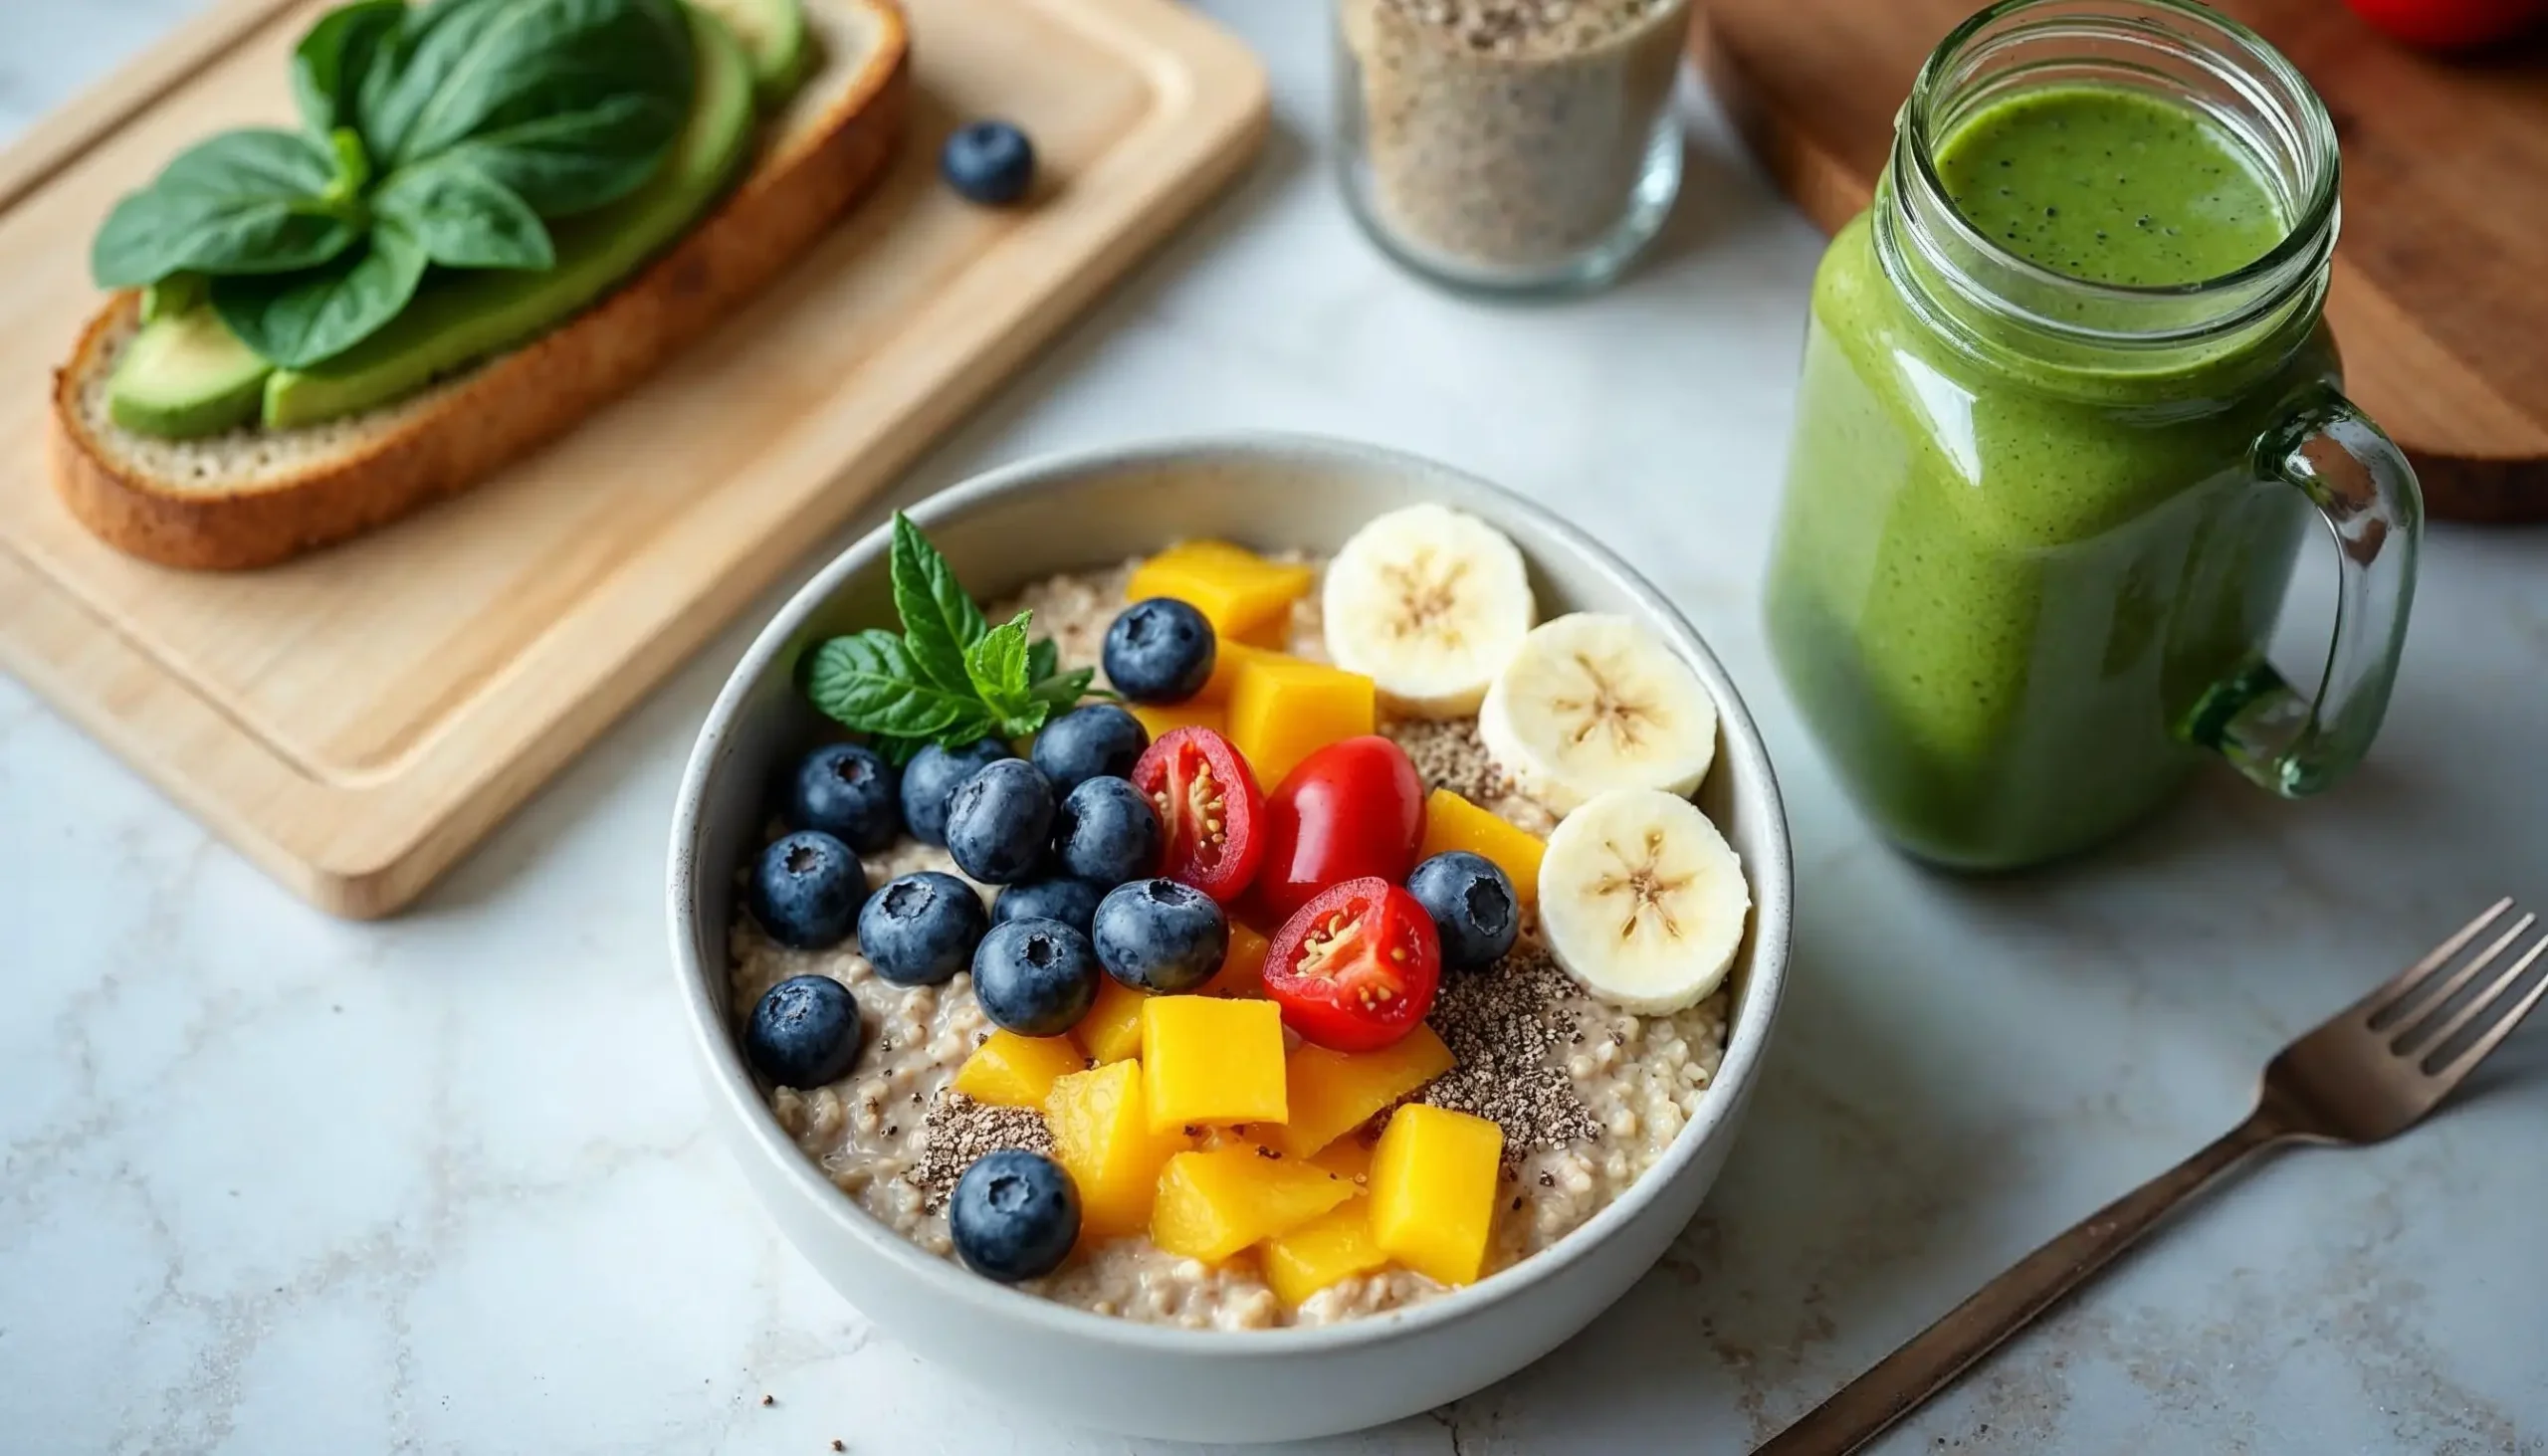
{"type": "Point", "coordinates": [732, 1083]}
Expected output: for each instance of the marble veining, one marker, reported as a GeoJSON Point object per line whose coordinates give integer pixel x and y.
{"type": "Point", "coordinates": [272, 1183]}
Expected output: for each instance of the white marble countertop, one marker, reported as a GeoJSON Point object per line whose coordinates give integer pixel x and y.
{"type": "Point", "coordinates": [277, 1183]}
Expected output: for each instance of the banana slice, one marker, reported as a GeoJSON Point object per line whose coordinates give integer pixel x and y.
{"type": "Point", "coordinates": [1593, 702]}
{"type": "Point", "coordinates": [1642, 900]}
{"type": "Point", "coordinates": [1427, 602]}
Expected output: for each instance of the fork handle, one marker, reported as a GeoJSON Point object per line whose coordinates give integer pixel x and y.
{"type": "Point", "coordinates": [1902, 1380]}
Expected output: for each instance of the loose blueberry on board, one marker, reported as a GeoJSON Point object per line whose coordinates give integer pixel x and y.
{"type": "Point", "coordinates": [1158, 651]}
{"type": "Point", "coordinates": [1471, 902]}
{"type": "Point", "coordinates": [1035, 977]}
{"type": "Point", "coordinates": [999, 821]}
{"type": "Point", "coordinates": [806, 889]}
{"type": "Point", "coordinates": [1159, 935]}
{"type": "Point", "coordinates": [1053, 896]}
{"type": "Point", "coordinates": [804, 1033]}
{"type": "Point", "coordinates": [850, 793]}
{"type": "Point", "coordinates": [922, 928]}
{"type": "Point", "coordinates": [1014, 1215]}
{"type": "Point", "coordinates": [1099, 740]}
{"type": "Point", "coordinates": [1107, 833]}
{"type": "Point", "coordinates": [990, 162]}
{"type": "Point", "coordinates": [933, 775]}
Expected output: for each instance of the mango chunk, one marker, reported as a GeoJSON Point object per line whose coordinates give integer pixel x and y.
{"type": "Point", "coordinates": [1212, 1204]}
{"type": "Point", "coordinates": [1452, 822]}
{"type": "Point", "coordinates": [1347, 1158]}
{"type": "Point", "coordinates": [1161, 718]}
{"type": "Point", "coordinates": [1330, 1094]}
{"type": "Point", "coordinates": [1242, 971]}
{"type": "Point", "coordinates": [1330, 1247]}
{"type": "Point", "coordinates": [1238, 592]}
{"type": "Point", "coordinates": [1284, 710]}
{"type": "Point", "coordinates": [1111, 1029]}
{"type": "Point", "coordinates": [1008, 1070]}
{"type": "Point", "coordinates": [1101, 1136]}
{"type": "Point", "coordinates": [1433, 1190]}
{"type": "Point", "coordinates": [1210, 1060]}
{"type": "Point", "coordinates": [1228, 659]}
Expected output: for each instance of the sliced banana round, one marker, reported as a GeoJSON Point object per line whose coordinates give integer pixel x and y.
{"type": "Point", "coordinates": [1591, 702]}
{"type": "Point", "coordinates": [1427, 602]}
{"type": "Point", "coordinates": [1642, 900]}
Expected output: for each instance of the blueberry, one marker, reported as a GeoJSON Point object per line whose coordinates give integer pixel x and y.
{"type": "Point", "coordinates": [1473, 907]}
{"type": "Point", "coordinates": [1000, 820]}
{"type": "Point", "coordinates": [848, 793]}
{"type": "Point", "coordinates": [990, 162]}
{"type": "Point", "coordinates": [1035, 977]}
{"type": "Point", "coordinates": [1160, 935]}
{"type": "Point", "coordinates": [804, 1033]}
{"type": "Point", "coordinates": [1158, 651]}
{"type": "Point", "coordinates": [921, 929]}
{"type": "Point", "coordinates": [1013, 1215]}
{"type": "Point", "coordinates": [1107, 833]}
{"type": "Point", "coordinates": [806, 889]}
{"type": "Point", "coordinates": [1052, 898]}
{"type": "Point", "coordinates": [1100, 739]}
{"type": "Point", "coordinates": [933, 775]}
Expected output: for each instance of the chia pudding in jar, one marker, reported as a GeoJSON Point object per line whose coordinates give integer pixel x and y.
{"type": "Point", "coordinates": [1511, 144]}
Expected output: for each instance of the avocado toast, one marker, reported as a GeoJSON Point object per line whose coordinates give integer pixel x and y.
{"type": "Point", "coordinates": [174, 441]}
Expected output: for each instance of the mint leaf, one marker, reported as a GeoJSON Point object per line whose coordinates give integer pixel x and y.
{"type": "Point", "coordinates": [868, 682]}
{"type": "Point", "coordinates": [1065, 689]}
{"type": "Point", "coordinates": [1043, 658]}
{"type": "Point", "coordinates": [997, 665]}
{"type": "Point", "coordinates": [939, 620]}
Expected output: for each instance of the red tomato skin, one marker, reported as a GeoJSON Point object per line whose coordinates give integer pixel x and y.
{"type": "Point", "coordinates": [1243, 812]}
{"type": "Point", "coordinates": [2449, 25]}
{"type": "Point", "coordinates": [1310, 1004]}
{"type": "Point", "coordinates": [1352, 809]}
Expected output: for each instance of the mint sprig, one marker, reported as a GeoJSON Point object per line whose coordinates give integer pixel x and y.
{"type": "Point", "coordinates": [950, 677]}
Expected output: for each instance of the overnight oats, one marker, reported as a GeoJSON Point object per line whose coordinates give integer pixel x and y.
{"type": "Point", "coordinates": [1359, 939]}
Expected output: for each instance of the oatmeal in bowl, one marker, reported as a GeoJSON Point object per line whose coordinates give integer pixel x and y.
{"type": "Point", "coordinates": [1262, 941]}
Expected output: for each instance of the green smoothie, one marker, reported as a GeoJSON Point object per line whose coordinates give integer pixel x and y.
{"type": "Point", "coordinates": [2007, 570]}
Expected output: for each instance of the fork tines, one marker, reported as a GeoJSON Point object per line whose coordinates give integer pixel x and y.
{"type": "Point", "coordinates": [2417, 1009]}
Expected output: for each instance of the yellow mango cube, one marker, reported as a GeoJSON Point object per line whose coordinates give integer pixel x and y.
{"type": "Point", "coordinates": [1347, 1158]}
{"type": "Point", "coordinates": [1212, 1204]}
{"type": "Point", "coordinates": [1101, 1136]}
{"type": "Point", "coordinates": [1111, 1029]}
{"type": "Point", "coordinates": [1330, 1247]}
{"type": "Point", "coordinates": [1008, 1070]}
{"type": "Point", "coordinates": [1228, 659]}
{"type": "Point", "coordinates": [1284, 710]}
{"type": "Point", "coordinates": [1329, 1094]}
{"type": "Point", "coordinates": [1238, 592]}
{"type": "Point", "coordinates": [1452, 822]}
{"type": "Point", "coordinates": [1433, 1190]}
{"type": "Point", "coordinates": [1205, 1059]}
{"type": "Point", "coordinates": [1242, 971]}
{"type": "Point", "coordinates": [1161, 718]}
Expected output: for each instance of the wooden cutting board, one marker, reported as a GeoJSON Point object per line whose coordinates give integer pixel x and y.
{"type": "Point", "coordinates": [354, 721]}
{"type": "Point", "coordinates": [2441, 289]}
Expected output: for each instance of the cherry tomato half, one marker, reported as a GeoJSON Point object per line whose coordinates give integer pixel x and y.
{"type": "Point", "coordinates": [2452, 25]}
{"type": "Point", "coordinates": [1209, 806]}
{"type": "Point", "coordinates": [1353, 808]}
{"type": "Point", "coordinates": [1357, 968]}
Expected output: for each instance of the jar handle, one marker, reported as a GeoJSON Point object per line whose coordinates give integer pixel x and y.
{"type": "Point", "coordinates": [2362, 484]}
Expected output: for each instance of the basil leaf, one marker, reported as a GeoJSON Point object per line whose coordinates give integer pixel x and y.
{"type": "Point", "coordinates": [997, 666]}
{"type": "Point", "coordinates": [466, 67]}
{"type": "Point", "coordinates": [327, 65]}
{"type": "Point", "coordinates": [575, 162]}
{"type": "Point", "coordinates": [1042, 660]}
{"type": "Point", "coordinates": [867, 681]}
{"type": "Point", "coordinates": [242, 202]}
{"type": "Point", "coordinates": [464, 218]}
{"type": "Point", "coordinates": [295, 320]}
{"type": "Point", "coordinates": [940, 620]}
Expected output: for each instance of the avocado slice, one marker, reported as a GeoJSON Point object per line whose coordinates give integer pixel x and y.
{"type": "Point", "coordinates": [777, 40]}
{"type": "Point", "coordinates": [186, 374]}
{"type": "Point", "coordinates": [458, 318]}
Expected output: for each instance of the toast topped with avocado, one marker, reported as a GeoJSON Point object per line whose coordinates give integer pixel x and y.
{"type": "Point", "coordinates": [497, 216]}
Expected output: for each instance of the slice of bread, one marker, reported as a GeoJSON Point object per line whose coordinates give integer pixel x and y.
{"type": "Point", "coordinates": [255, 497]}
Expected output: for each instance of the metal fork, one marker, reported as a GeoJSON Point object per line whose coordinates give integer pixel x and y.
{"type": "Point", "coordinates": [2368, 1073]}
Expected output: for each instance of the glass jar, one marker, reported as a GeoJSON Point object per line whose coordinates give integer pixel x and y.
{"type": "Point", "coordinates": [2067, 400]}
{"type": "Point", "coordinates": [1510, 145]}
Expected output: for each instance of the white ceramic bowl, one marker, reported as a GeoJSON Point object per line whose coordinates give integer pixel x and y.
{"type": "Point", "coordinates": [1060, 513]}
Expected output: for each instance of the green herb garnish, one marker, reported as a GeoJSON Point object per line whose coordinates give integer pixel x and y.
{"type": "Point", "coordinates": [950, 677]}
{"type": "Point", "coordinates": [444, 134]}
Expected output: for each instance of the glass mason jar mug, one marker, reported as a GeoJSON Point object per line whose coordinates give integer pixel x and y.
{"type": "Point", "coordinates": [2067, 400]}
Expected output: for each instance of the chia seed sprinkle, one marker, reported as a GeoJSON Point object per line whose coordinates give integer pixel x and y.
{"type": "Point", "coordinates": [1447, 755]}
{"type": "Point", "coordinates": [1500, 1024]}
{"type": "Point", "coordinates": [959, 1129]}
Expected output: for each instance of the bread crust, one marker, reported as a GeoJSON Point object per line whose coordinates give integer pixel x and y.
{"type": "Point", "coordinates": [515, 402]}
